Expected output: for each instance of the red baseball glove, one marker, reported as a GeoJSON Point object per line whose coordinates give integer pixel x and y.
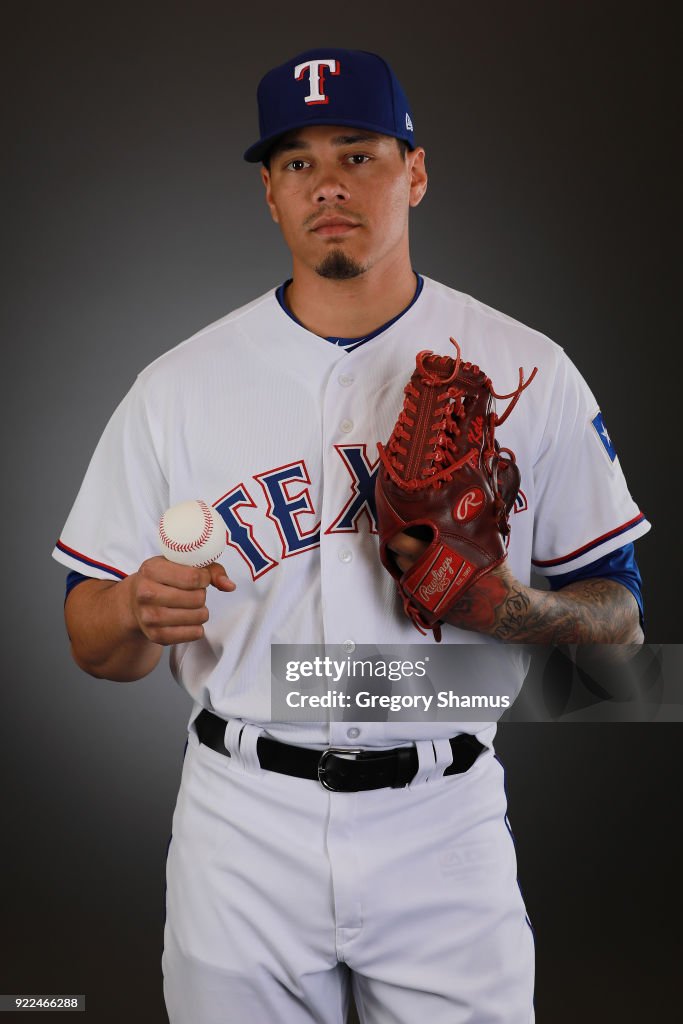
{"type": "Point", "coordinates": [445, 479]}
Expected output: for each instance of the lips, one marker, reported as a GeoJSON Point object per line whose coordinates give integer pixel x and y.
{"type": "Point", "coordinates": [333, 226]}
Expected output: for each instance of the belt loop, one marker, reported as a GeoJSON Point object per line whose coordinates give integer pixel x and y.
{"type": "Point", "coordinates": [444, 756]}
{"type": "Point", "coordinates": [425, 762]}
{"type": "Point", "coordinates": [233, 731]}
{"type": "Point", "coordinates": [247, 753]}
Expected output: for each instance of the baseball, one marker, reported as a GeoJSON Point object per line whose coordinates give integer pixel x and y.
{"type": "Point", "coordinates": [192, 533]}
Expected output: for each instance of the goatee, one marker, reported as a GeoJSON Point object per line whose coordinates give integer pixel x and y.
{"type": "Point", "coordinates": [339, 267]}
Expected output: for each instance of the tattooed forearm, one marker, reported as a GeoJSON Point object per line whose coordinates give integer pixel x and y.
{"type": "Point", "coordinates": [514, 613]}
{"type": "Point", "coordinates": [597, 611]}
{"type": "Point", "coordinates": [588, 613]}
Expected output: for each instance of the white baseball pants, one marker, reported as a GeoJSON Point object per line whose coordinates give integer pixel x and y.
{"type": "Point", "coordinates": [282, 895]}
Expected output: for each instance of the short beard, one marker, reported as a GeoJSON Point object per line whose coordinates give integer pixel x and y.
{"type": "Point", "coordinates": [337, 266]}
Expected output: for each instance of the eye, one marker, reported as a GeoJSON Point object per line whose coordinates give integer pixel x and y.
{"type": "Point", "coordinates": [296, 165]}
{"type": "Point", "coordinates": [358, 158]}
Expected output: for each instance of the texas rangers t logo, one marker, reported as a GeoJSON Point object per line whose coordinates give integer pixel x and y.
{"type": "Point", "coordinates": [316, 78]}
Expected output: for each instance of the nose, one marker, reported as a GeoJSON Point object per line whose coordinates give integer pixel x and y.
{"type": "Point", "coordinates": [329, 187]}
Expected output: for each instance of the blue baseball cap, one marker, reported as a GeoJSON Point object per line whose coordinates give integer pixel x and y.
{"type": "Point", "coordinates": [330, 86]}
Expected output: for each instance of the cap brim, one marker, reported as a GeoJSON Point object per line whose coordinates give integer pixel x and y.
{"type": "Point", "coordinates": [256, 153]}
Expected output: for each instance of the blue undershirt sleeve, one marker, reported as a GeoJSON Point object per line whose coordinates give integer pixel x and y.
{"type": "Point", "coordinates": [72, 580]}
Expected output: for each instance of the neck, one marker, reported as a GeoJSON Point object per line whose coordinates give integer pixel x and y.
{"type": "Point", "coordinates": [351, 308]}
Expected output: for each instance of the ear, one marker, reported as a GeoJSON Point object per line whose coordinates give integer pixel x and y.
{"type": "Point", "coordinates": [418, 175]}
{"type": "Point", "coordinates": [265, 177]}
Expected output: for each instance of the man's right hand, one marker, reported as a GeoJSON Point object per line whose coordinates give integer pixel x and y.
{"type": "Point", "coordinates": [118, 630]}
{"type": "Point", "coordinates": [167, 601]}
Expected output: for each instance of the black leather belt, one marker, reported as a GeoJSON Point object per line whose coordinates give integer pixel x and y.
{"type": "Point", "coordinates": [340, 769]}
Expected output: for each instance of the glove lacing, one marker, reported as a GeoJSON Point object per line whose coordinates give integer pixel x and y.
{"type": "Point", "coordinates": [439, 463]}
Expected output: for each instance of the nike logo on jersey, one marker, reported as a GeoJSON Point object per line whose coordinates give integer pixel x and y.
{"type": "Point", "coordinates": [290, 508]}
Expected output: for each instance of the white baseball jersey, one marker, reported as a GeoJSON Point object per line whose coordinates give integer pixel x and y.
{"type": "Point", "coordinates": [278, 429]}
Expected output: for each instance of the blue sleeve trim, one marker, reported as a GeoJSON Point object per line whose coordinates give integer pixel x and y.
{"type": "Point", "coordinates": [624, 528]}
{"type": "Point", "coordinates": [80, 557]}
{"type": "Point", "coordinates": [619, 565]}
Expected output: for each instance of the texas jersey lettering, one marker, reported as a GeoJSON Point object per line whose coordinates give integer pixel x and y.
{"type": "Point", "coordinates": [299, 505]}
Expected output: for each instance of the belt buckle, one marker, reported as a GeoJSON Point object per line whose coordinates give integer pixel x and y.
{"type": "Point", "coordinates": [322, 764]}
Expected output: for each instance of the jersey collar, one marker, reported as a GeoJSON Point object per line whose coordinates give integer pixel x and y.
{"type": "Point", "coordinates": [349, 344]}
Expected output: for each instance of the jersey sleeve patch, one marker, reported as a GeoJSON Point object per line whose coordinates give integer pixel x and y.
{"type": "Point", "coordinates": [600, 429]}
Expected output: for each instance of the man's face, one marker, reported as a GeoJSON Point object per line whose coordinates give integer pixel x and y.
{"type": "Point", "coordinates": [341, 197]}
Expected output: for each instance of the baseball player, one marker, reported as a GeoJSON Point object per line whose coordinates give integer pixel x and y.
{"type": "Point", "coordinates": [397, 881]}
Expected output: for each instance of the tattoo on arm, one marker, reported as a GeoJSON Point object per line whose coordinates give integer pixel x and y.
{"type": "Point", "coordinates": [513, 615]}
{"type": "Point", "coordinates": [595, 611]}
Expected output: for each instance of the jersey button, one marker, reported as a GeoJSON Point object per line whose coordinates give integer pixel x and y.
{"type": "Point", "coordinates": [346, 426]}
{"type": "Point", "coordinates": [349, 646]}
{"type": "Point", "coordinates": [353, 733]}
{"type": "Point", "coordinates": [346, 379]}
{"type": "Point", "coordinates": [345, 555]}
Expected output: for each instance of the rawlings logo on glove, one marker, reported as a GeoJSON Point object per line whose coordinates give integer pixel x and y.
{"type": "Point", "coordinates": [445, 479]}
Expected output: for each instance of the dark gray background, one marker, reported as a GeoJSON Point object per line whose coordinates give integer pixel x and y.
{"type": "Point", "coordinates": [130, 222]}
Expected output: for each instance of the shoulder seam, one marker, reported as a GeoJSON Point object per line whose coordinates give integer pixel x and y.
{"type": "Point", "coordinates": [234, 317]}
{"type": "Point", "coordinates": [488, 311]}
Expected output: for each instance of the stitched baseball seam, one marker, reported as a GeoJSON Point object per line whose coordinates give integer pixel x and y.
{"type": "Point", "coordinates": [173, 545]}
